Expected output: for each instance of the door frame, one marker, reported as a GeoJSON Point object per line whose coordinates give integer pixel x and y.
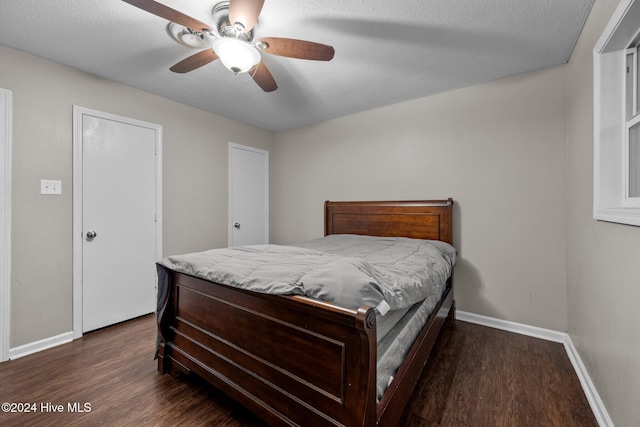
{"type": "Point", "coordinates": [234, 146]}
{"type": "Point", "coordinates": [6, 115]}
{"type": "Point", "coordinates": [78, 113]}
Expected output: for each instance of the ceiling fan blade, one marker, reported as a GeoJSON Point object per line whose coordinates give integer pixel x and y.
{"type": "Point", "coordinates": [263, 77]}
{"type": "Point", "coordinates": [169, 14]}
{"type": "Point", "coordinates": [195, 61]}
{"type": "Point", "coordinates": [300, 49]}
{"type": "Point", "coordinates": [245, 12]}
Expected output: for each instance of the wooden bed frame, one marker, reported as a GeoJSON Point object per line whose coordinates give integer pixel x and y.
{"type": "Point", "coordinates": [293, 360]}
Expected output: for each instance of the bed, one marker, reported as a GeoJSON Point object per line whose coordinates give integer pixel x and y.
{"type": "Point", "coordinates": [295, 360]}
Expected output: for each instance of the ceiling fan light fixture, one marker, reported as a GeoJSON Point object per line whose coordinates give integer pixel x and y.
{"type": "Point", "coordinates": [237, 55]}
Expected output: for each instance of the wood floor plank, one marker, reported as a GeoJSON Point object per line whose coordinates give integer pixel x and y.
{"type": "Point", "coordinates": [497, 378]}
{"type": "Point", "coordinates": [478, 376]}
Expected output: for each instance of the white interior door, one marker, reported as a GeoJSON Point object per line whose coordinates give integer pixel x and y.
{"type": "Point", "coordinates": [119, 238]}
{"type": "Point", "coordinates": [248, 195]}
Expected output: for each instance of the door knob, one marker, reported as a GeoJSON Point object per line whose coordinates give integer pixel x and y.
{"type": "Point", "coordinates": [91, 234]}
{"type": "Point", "coordinates": [237, 225]}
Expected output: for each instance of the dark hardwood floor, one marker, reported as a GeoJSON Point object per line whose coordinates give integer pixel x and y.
{"type": "Point", "coordinates": [486, 377]}
{"type": "Point", "coordinates": [478, 377]}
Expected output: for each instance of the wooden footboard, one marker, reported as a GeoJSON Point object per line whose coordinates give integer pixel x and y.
{"type": "Point", "coordinates": [291, 360]}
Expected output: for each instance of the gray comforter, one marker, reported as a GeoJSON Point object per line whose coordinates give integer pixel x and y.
{"type": "Point", "coordinates": [346, 270]}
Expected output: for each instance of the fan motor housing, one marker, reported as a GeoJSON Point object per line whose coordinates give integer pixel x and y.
{"type": "Point", "coordinates": [226, 28]}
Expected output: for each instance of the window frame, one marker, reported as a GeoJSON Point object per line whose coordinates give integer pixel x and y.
{"type": "Point", "coordinates": [611, 122]}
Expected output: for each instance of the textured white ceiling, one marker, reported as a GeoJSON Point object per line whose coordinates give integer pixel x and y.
{"type": "Point", "coordinates": [386, 51]}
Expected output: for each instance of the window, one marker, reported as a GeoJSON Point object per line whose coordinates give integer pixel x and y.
{"type": "Point", "coordinates": [617, 118]}
{"type": "Point", "coordinates": [632, 128]}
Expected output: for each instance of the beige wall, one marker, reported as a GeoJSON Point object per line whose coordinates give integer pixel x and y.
{"type": "Point", "coordinates": [194, 180]}
{"type": "Point", "coordinates": [603, 259]}
{"type": "Point", "coordinates": [498, 149]}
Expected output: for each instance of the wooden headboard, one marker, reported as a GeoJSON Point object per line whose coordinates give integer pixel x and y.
{"type": "Point", "coordinates": [419, 219]}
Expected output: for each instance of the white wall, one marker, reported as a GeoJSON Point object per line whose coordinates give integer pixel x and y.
{"type": "Point", "coordinates": [603, 259]}
{"type": "Point", "coordinates": [498, 149]}
{"type": "Point", "coordinates": [195, 176]}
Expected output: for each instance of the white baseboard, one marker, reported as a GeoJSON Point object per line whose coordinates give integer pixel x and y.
{"type": "Point", "coordinates": [597, 406]}
{"type": "Point", "coordinates": [518, 328]}
{"type": "Point", "coordinates": [34, 347]}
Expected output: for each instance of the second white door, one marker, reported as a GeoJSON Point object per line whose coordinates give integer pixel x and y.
{"type": "Point", "coordinates": [248, 195]}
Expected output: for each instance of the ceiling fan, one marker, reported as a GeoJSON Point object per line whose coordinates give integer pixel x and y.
{"type": "Point", "coordinates": [233, 40]}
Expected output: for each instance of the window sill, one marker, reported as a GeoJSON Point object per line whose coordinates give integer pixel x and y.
{"type": "Point", "coordinates": [628, 216]}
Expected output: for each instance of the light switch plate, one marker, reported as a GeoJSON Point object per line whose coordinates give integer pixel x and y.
{"type": "Point", "coordinates": [50, 186]}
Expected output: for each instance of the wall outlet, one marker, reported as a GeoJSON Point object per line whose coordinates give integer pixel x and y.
{"type": "Point", "coordinates": [49, 186]}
